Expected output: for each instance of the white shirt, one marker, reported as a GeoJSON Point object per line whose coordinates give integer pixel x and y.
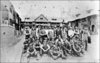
{"type": "Point", "coordinates": [71, 32]}
{"type": "Point", "coordinates": [37, 34]}
{"type": "Point", "coordinates": [44, 49]}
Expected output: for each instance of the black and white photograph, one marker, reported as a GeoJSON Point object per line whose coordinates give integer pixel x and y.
{"type": "Point", "coordinates": [49, 31]}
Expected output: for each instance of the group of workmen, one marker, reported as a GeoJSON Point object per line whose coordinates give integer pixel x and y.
{"type": "Point", "coordinates": [56, 42]}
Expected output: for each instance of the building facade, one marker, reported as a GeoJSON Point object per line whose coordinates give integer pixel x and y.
{"type": "Point", "coordinates": [42, 20]}
{"type": "Point", "coordinates": [8, 21]}
{"type": "Point", "coordinates": [88, 22]}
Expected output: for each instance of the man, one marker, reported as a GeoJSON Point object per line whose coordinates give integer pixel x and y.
{"type": "Point", "coordinates": [33, 33]}
{"type": "Point", "coordinates": [58, 33]}
{"type": "Point", "coordinates": [38, 49]}
{"type": "Point", "coordinates": [71, 32]}
{"type": "Point", "coordinates": [27, 33]}
{"type": "Point", "coordinates": [55, 52]}
{"type": "Point", "coordinates": [86, 31]}
{"type": "Point", "coordinates": [50, 34]}
{"type": "Point", "coordinates": [26, 45]}
{"type": "Point", "coordinates": [45, 47]}
{"type": "Point", "coordinates": [64, 34]}
{"type": "Point", "coordinates": [37, 32]}
{"type": "Point", "coordinates": [31, 51]}
{"type": "Point", "coordinates": [77, 31]}
{"type": "Point", "coordinates": [43, 34]}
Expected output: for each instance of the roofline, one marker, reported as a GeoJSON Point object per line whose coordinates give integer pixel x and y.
{"type": "Point", "coordinates": [39, 16]}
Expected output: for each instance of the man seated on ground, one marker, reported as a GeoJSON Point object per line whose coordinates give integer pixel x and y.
{"type": "Point", "coordinates": [55, 52]}
{"type": "Point", "coordinates": [38, 49]}
{"type": "Point", "coordinates": [31, 51]}
{"type": "Point", "coordinates": [26, 45]}
{"type": "Point", "coordinates": [59, 41]}
{"type": "Point", "coordinates": [45, 47]}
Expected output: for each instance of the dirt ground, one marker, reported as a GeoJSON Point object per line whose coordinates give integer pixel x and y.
{"type": "Point", "coordinates": [13, 53]}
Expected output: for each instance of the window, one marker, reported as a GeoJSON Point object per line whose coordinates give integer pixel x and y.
{"type": "Point", "coordinates": [3, 21]}
{"type": "Point", "coordinates": [41, 18]}
{"type": "Point", "coordinates": [11, 22]}
{"type": "Point", "coordinates": [54, 19]}
{"type": "Point", "coordinates": [93, 28]}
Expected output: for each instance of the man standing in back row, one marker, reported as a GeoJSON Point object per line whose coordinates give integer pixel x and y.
{"type": "Point", "coordinates": [27, 32]}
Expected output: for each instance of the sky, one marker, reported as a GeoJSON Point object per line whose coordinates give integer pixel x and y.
{"type": "Point", "coordinates": [54, 9]}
